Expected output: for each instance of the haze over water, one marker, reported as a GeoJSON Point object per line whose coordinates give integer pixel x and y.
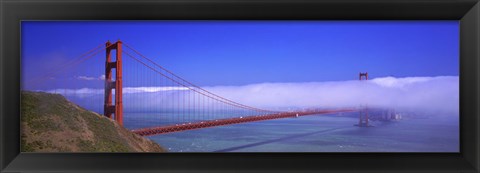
{"type": "Point", "coordinates": [428, 105]}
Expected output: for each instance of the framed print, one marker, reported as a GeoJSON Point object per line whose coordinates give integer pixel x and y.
{"type": "Point", "coordinates": [239, 86]}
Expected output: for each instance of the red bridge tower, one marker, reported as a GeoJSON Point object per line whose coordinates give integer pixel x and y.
{"type": "Point", "coordinates": [116, 109]}
{"type": "Point", "coordinates": [363, 118]}
{"type": "Point", "coordinates": [363, 75]}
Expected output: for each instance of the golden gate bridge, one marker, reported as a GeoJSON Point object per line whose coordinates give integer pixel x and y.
{"type": "Point", "coordinates": [186, 106]}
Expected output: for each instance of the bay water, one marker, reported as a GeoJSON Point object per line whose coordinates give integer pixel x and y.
{"type": "Point", "coordinates": [313, 133]}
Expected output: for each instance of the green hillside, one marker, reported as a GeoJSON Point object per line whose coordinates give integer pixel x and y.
{"type": "Point", "coordinates": [50, 123]}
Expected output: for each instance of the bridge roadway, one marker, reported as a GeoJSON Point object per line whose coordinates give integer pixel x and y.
{"type": "Point", "coordinates": [220, 122]}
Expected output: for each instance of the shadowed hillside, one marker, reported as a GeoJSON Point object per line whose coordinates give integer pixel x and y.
{"type": "Point", "coordinates": [50, 123]}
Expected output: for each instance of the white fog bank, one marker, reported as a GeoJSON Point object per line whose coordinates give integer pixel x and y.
{"type": "Point", "coordinates": [427, 93]}
{"type": "Point", "coordinates": [437, 94]}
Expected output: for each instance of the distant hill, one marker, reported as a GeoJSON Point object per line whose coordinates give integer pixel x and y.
{"type": "Point", "coordinates": [50, 123]}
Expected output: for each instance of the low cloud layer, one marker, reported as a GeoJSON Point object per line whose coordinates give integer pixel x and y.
{"type": "Point", "coordinates": [438, 94]}
{"type": "Point", "coordinates": [101, 77]}
{"type": "Point", "coordinates": [426, 93]}
{"type": "Point", "coordinates": [126, 90]}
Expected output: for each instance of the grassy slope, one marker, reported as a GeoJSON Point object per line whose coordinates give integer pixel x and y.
{"type": "Point", "coordinates": [52, 123]}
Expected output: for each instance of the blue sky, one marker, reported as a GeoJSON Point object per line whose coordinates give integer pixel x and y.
{"type": "Point", "coordinates": [212, 53]}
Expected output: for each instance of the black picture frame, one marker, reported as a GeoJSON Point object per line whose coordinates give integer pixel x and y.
{"type": "Point", "coordinates": [14, 11]}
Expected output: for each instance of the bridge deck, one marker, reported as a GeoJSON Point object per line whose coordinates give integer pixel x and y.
{"type": "Point", "coordinates": [220, 122]}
